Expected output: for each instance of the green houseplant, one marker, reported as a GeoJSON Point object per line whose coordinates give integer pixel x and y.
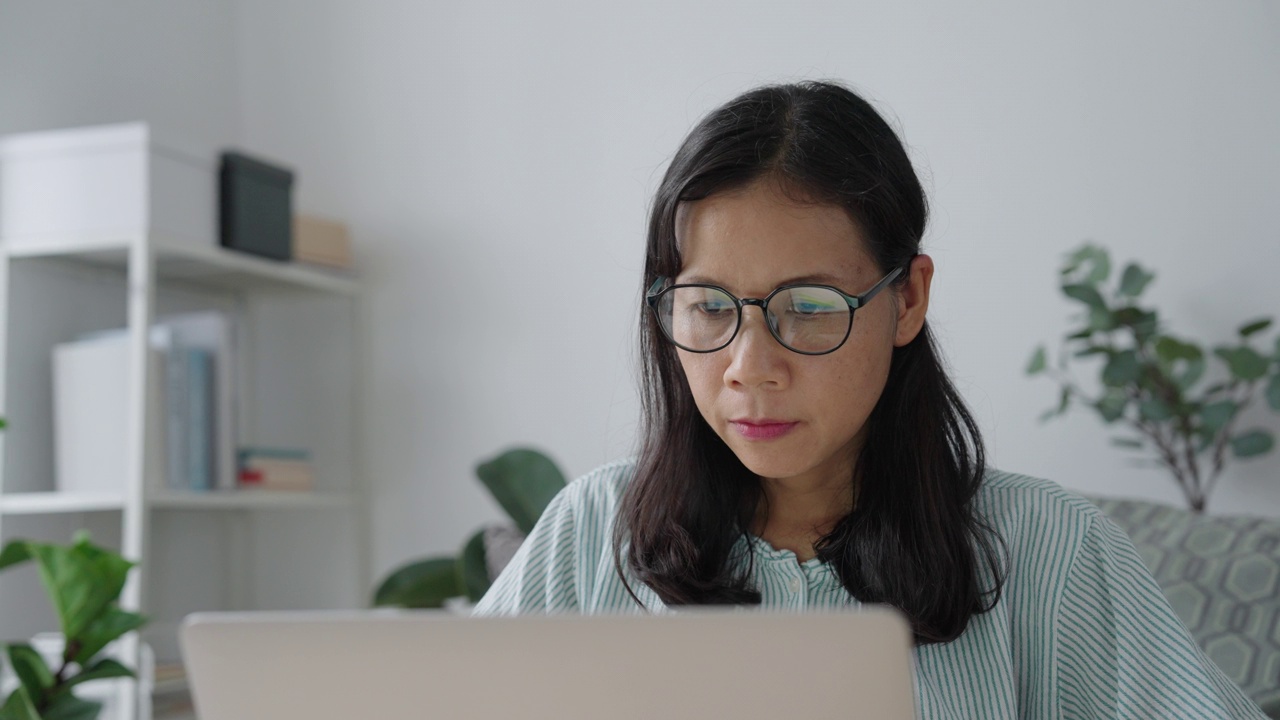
{"type": "Point", "coordinates": [523, 481]}
{"type": "Point", "coordinates": [83, 582]}
{"type": "Point", "coordinates": [1156, 385]}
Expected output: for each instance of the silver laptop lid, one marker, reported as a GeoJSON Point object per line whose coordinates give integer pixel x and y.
{"type": "Point", "coordinates": [403, 664]}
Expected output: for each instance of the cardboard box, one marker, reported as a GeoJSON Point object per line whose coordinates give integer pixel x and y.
{"type": "Point", "coordinates": [103, 186]}
{"type": "Point", "coordinates": [320, 241]}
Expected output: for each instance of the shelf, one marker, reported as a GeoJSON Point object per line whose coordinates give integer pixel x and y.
{"type": "Point", "coordinates": [247, 500]}
{"type": "Point", "coordinates": [208, 266]}
{"type": "Point", "coordinates": [44, 503]}
{"type": "Point", "coordinates": [47, 503]}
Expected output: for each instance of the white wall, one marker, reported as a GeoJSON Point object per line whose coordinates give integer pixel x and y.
{"type": "Point", "coordinates": [513, 146]}
{"type": "Point", "coordinates": [79, 62]}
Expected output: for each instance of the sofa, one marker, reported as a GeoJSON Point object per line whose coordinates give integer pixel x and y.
{"type": "Point", "coordinates": [1222, 577]}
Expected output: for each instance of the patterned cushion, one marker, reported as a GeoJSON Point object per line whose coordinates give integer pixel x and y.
{"type": "Point", "coordinates": [1222, 576]}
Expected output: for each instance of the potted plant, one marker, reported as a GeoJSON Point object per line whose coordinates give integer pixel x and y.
{"type": "Point", "coordinates": [1157, 385]}
{"type": "Point", "coordinates": [83, 581]}
{"type": "Point", "coordinates": [523, 481]}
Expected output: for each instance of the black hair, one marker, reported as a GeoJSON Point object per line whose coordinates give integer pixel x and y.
{"type": "Point", "coordinates": [914, 539]}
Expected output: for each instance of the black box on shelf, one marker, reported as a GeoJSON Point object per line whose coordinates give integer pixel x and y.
{"type": "Point", "coordinates": [255, 206]}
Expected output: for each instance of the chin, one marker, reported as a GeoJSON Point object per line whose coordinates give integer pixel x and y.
{"type": "Point", "coordinates": [770, 462]}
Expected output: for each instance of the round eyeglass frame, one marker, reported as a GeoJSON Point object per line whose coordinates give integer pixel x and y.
{"type": "Point", "coordinates": [656, 291]}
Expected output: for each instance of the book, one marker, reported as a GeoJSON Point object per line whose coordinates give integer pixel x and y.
{"type": "Point", "coordinates": [176, 416]}
{"type": "Point", "coordinates": [275, 469]}
{"type": "Point", "coordinates": [199, 427]}
{"type": "Point", "coordinates": [212, 332]}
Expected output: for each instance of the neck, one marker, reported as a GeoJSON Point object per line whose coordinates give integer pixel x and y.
{"type": "Point", "coordinates": [799, 511]}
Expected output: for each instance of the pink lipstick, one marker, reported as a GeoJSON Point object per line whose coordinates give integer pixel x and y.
{"type": "Point", "coordinates": [762, 429]}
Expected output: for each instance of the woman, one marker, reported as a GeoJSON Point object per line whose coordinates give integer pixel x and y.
{"type": "Point", "coordinates": [794, 457]}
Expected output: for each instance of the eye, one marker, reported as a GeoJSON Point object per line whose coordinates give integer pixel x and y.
{"type": "Point", "coordinates": [714, 307]}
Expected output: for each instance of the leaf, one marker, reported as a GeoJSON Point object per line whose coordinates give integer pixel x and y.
{"type": "Point", "coordinates": [19, 707]}
{"type": "Point", "coordinates": [1244, 362]}
{"type": "Point", "coordinates": [1145, 325]}
{"type": "Point", "coordinates": [108, 626]}
{"type": "Point", "coordinates": [1215, 416]}
{"type": "Point", "coordinates": [473, 568]}
{"type": "Point", "coordinates": [1154, 410]}
{"type": "Point", "coordinates": [82, 581]}
{"type": "Point", "coordinates": [1170, 349]}
{"type": "Point", "coordinates": [1256, 326]}
{"type": "Point", "coordinates": [1122, 369]}
{"type": "Point", "coordinates": [1134, 280]}
{"type": "Point", "coordinates": [101, 670]}
{"type": "Point", "coordinates": [1111, 407]}
{"type": "Point", "coordinates": [1097, 260]}
{"type": "Point", "coordinates": [1078, 257]}
{"type": "Point", "coordinates": [423, 584]}
{"type": "Point", "coordinates": [1101, 320]}
{"type": "Point", "coordinates": [523, 482]}
{"type": "Point", "coordinates": [1086, 294]}
{"type": "Point", "coordinates": [1092, 350]}
{"type": "Point", "coordinates": [1273, 392]}
{"type": "Point", "coordinates": [1191, 373]}
{"type": "Point", "coordinates": [1127, 443]}
{"type": "Point", "coordinates": [1039, 362]}
{"type": "Point", "coordinates": [70, 707]}
{"type": "Point", "coordinates": [1253, 443]}
{"type": "Point", "coordinates": [1081, 334]}
{"type": "Point", "coordinates": [30, 668]}
{"type": "Point", "coordinates": [15, 552]}
{"type": "Point", "coordinates": [3, 424]}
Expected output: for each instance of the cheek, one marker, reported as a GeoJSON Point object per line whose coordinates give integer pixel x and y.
{"type": "Point", "coordinates": [850, 391]}
{"type": "Point", "coordinates": [705, 374]}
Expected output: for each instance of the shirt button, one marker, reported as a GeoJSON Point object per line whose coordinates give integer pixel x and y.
{"type": "Point", "coordinates": [795, 585]}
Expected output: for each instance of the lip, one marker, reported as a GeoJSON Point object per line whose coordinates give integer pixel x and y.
{"type": "Point", "coordinates": [763, 428]}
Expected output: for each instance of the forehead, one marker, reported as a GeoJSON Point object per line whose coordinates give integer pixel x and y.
{"type": "Point", "coordinates": [753, 239]}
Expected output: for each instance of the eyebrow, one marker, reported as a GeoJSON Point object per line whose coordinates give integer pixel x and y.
{"type": "Point", "coordinates": [815, 279]}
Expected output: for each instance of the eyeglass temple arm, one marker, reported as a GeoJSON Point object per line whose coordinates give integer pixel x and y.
{"type": "Point", "coordinates": [864, 298]}
{"type": "Point", "coordinates": [651, 295]}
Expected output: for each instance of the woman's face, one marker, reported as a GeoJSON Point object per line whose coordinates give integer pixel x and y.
{"type": "Point", "coordinates": [786, 415]}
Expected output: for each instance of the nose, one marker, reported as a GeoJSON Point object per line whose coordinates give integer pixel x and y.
{"type": "Point", "coordinates": [756, 359]}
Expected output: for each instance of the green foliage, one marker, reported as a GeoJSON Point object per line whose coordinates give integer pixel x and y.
{"type": "Point", "coordinates": [1151, 381]}
{"type": "Point", "coordinates": [523, 481]}
{"type": "Point", "coordinates": [83, 582]}
{"type": "Point", "coordinates": [424, 583]}
{"type": "Point", "coordinates": [19, 706]}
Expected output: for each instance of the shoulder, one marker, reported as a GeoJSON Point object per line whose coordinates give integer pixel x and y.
{"type": "Point", "coordinates": [595, 496]}
{"type": "Point", "coordinates": [1034, 514]}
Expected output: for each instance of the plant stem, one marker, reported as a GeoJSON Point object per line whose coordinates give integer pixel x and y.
{"type": "Point", "coordinates": [1224, 435]}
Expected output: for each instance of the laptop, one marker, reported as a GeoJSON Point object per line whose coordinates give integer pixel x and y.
{"type": "Point", "coordinates": [726, 663]}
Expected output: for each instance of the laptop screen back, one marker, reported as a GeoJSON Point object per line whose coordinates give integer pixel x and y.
{"type": "Point", "coordinates": [691, 664]}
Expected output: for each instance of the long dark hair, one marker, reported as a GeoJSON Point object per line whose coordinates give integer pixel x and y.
{"type": "Point", "coordinates": [914, 539]}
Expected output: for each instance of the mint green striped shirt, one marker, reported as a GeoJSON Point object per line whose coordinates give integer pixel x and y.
{"type": "Point", "coordinates": [1081, 630]}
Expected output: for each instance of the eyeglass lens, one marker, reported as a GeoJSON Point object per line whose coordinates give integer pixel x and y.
{"type": "Point", "coordinates": [806, 319]}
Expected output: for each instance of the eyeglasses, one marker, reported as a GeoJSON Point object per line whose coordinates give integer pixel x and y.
{"type": "Point", "coordinates": [807, 319]}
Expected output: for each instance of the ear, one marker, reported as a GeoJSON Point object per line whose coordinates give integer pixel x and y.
{"type": "Point", "coordinates": [913, 300]}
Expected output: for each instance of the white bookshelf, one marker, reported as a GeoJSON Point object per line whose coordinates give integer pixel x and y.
{"type": "Point", "coordinates": [296, 367]}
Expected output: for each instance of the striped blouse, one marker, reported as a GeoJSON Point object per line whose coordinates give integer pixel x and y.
{"type": "Point", "coordinates": [1080, 631]}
